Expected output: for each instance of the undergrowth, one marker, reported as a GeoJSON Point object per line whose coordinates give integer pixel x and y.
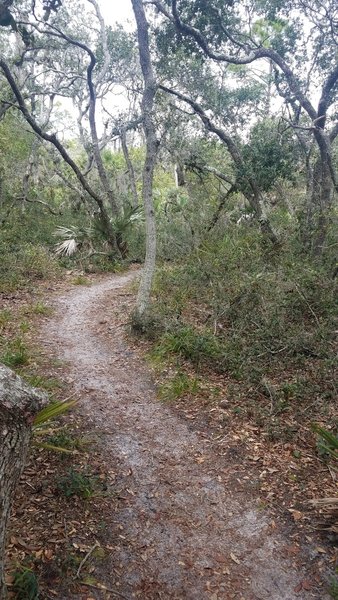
{"type": "Point", "coordinates": [264, 317]}
{"type": "Point", "coordinates": [25, 264]}
{"type": "Point", "coordinates": [25, 584]}
{"type": "Point", "coordinates": [78, 483]}
{"type": "Point", "coordinates": [333, 589]}
{"type": "Point", "coordinates": [178, 386]}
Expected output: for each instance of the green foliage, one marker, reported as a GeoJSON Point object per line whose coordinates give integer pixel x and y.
{"type": "Point", "coordinates": [74, 239]}
{"type": "Point", "coordinates": [81, 280]}
{"type": "Point", "coordinates": [50, 412]}
{"type": "Point", "coordinates": [25, 584]}
{"type": "Point", "coordinates": [150, 325]}
{"type": "Point", "coordinates": [62, 439]}
{"type": "Point", "coordinates": [22, 266]}
{"type": "Point", "coordinates": [5, 317]}
{"type": "Point", "coordinates": [39, 308]}
{"type": "Point", "coordinates": [333, 589]}
{"type": "Point", "coordinates": [16, 353]}
{"type": "Point", "coordinates": [269, 155]}
{"type": "Point", "coordinates": [197, 346]}
{"type": "Point", "coordinates": [53, 410]}
{"type": "Point", "coordinates": [179, 385]}
{"type": "Point", "coordinates": [131, 215]}
{"type": "Point", "coordinates": [50, 384]}
{"type": "Point", "coordinates": [256, 313]}
{"type": "Point", "coordinates": [121, 47]}
{"type": "Point", "coordinates": [328, 441]}
{"type": "Point", "coordinates": [77, 483]}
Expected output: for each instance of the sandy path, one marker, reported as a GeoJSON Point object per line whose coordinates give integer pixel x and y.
{"type": "Point", "coordinates": [184, 533]}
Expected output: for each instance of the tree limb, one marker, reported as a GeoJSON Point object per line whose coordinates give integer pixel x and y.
{"type": "Point", "coordinates": [52, 139]}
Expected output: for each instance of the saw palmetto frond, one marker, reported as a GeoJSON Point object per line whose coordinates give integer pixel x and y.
{"type": "Point", "coordinates": [66, 248]}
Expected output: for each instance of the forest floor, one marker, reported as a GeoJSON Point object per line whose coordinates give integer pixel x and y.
{"type": "Point", "coordinates": [153, 504]}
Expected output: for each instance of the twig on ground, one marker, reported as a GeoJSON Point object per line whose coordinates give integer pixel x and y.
{"type": "Point", "coordinates": [103, 588]}
{"type": "Point", "coordinates": [89, 553]}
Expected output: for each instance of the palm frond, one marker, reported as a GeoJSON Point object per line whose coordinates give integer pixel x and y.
{"type": "Point", "coordinates": [66, 232]}
{"type": "Point", "coordinates": [130, 215]}
{"type": "Point", "coordinates": [53, 410]}
{"type": "Point", "coordinates": [54, 448]}
{"type": "Point", "coordinates": [329, 440]}
{"type": "Point", "coordinates": [66, 248]}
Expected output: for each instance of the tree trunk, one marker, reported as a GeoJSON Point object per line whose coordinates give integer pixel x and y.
{"type": "Point", "coordinates": [256, 201]}
{"type": "Point", "coordinates": [319, 204]}
{"type": "Point", "coordinates": [143, 297]}
{"type": "Point", "coordinates": [130, 169]}
{"type": "Point", "coordinates": [19, 403]}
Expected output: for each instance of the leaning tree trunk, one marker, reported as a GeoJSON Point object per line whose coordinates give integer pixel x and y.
{"type": "Point", "coordinates": [143, 297]}
{"type": "Point", "coordinates": [19, 403]}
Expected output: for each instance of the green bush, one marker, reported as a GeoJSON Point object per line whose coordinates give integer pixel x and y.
{"type": "Point", "coordinates": [242, 307]}
{"type": "Point", "coordinates": [193, 345]}
{"type": "Point", "coordinates": [150, 325]}
{"type": "Point", "coordinates": [327, 442]}
{"type": "Point", "coordinates": [333, 589]}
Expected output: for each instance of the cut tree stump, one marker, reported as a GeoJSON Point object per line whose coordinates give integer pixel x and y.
{"type": "Point", "coordinates": [19, 403]}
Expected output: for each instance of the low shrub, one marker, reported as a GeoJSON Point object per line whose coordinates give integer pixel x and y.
{"type": "Point", "coordinates": [25, 584]}
{"type": "Point", "coordinates": [197, 346]}
{"type": "Point", "coordinates": [241, 307]}
{"type": "Point", "coordinates": [179, 385]}
{"type": "Point", "coordinates": [22, 265]}
{"type": "Point", "coordinates": [151, 325]}
{"type": "Point", "coordinates": [77, 483]}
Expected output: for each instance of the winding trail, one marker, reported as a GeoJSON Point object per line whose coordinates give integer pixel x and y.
{"type": "Point", "coordinates": [185, 534]}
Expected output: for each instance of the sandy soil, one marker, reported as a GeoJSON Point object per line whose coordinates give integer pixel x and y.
{"type": "Point", "coordinates": [180, 529]}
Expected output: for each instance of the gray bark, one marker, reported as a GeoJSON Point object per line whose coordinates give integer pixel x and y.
{"type": "Point", "coordinates": [130, 168]}
{"type": "Point", "coordinates": [19, 403]}
{"type": "Point", "coordinates": [143, 297]}
{"type": "Point", "coordinates": [319, 205]}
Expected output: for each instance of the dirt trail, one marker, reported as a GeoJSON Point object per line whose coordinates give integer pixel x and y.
{"type": "Point", "coordinates": [179, 532]}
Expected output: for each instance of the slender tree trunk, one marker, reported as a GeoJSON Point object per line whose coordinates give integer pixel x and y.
{"type": "Point", "coordinates": [115, 241]}
{"type": "Point", "coordinates": [268, 98]}
{"type": "Point", "coordinates": [143, 297]}
{"type": "Point", "coordinates": [130, 168]}
{"type": "Point", "coordinates": [19, 403]}
{"type": "Point", "coordinates": [179, 175]}
{"type": "Point", "coordinates": [319, 204]}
